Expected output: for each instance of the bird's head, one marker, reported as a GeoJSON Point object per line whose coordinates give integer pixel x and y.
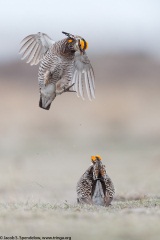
{"type": "Point", "coordinates": [95, 158]}
{"type": "Point", "coordinates": [76, 43]}
{"type": "Point", "coordinates": [98, 168]}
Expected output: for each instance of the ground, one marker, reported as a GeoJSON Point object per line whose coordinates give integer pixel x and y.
{"type": "Point", "coordinates": [129, 219]}
{"type": "Point", "coordinates": [44, 153]}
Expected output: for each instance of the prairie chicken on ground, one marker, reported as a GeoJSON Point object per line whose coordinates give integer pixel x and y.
{"type": "Point", "coordinates": [63, 65]}
{"type": "Point", "coordinates": [95, 186]}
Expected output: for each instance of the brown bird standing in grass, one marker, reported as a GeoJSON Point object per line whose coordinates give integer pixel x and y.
{"type": "Point", "coordinates": [95, 186]}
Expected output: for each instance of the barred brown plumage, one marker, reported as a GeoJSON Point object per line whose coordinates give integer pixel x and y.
{"type": "Point", "coordinates": [84, 187]}
{"type": "Point", "coordinates": [95, 186]}
{"type": "Point", "coordinates": [63, 65]}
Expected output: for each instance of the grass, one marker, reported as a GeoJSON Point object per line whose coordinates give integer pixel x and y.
{"type": "Point", "coordinates": [129, 219]}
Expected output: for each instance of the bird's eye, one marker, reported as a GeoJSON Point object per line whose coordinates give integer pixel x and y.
{"type": "Point", "coordinates": [70, 40]}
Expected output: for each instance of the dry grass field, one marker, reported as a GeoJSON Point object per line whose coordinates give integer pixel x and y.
{"type": "Point", "coordinates": [43, 153]}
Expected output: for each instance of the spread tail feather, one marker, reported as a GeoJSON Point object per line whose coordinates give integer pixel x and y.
{"type": "Point", "coordinates": [47, 95]}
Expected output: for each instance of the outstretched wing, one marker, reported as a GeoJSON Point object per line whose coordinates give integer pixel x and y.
{"type": "Point", "coordinates": [83, 72]}
{"type": "Point", "coordinates": [34, 47]}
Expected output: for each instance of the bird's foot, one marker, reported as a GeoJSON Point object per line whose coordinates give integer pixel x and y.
{"type": "Point", "coordinates": [68, 88]}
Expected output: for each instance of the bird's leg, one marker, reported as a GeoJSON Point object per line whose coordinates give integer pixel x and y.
{"type": "Point", "coordinates": [61, 88]}
{"type": "Point", "coordinates": [68, 88]}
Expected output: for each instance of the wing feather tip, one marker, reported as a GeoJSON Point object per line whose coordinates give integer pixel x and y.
{"type": "Point", "coordinates": [32, 47]}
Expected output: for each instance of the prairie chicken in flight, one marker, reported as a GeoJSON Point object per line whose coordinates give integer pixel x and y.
{"type": "Point", "coordinates": [95, 186]}
{"type": "Point", "coordinates": [63, 65]}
